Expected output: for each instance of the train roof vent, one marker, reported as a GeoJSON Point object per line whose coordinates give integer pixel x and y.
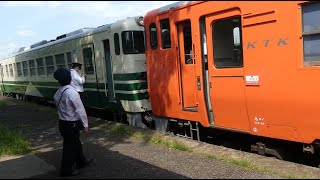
{"type": "Point", "coordinates": [16, 51]}
{"type": "Point", "coordinates": [21, 49]}
{"type": "Point", "coordinates": [105, 25]}
{"type": "Point", "coordinates": [79, 31]}
{"type": "Point", "coordinates": [62, 36]}
{"type": "Point", "coordinates": [174, 5]}
{"type": "Point", "coordinates": [39, 43]}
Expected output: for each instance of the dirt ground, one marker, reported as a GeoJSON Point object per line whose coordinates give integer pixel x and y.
{"type": "Point", "coordinates": [119, 157]}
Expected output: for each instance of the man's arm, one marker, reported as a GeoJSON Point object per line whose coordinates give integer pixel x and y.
{"type": "Point", "coordinates": [79, 109]}
{"type": "Point", "coordinates": [76, 77]}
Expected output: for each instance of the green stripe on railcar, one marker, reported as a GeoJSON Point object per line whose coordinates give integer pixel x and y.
{"type": "Point", "coordinates": [92, 98]}
{"type": "Point", "coordinates": [130, 76]}
{"type": "Point", "coordinates": [131, 87]}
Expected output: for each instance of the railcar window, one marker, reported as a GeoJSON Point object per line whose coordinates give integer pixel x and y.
{"type": "Point", "coordinates": [32, 68]}
{"type": "Point", "coordinates": [69, 59]}
{"type": "Point", "coordinates": [133, 42]}
{"type": "Point", "coordinates": [50, 65]}
{"type": "Point", "coordinates": [116, 43]}
{"type": "Point", "coordinates": [11, 70]}
{"type": "Point", "coordinates": [19, 71]}
{"type": "Point", "coordinates": [25, 68]}
{"type": "Point", "coordinates": [311, 33]}
{"type": "Point", "coordinates": [40, 66]}
{"type": "Point", "coordinates": [14, 69]}
{"type": "Point", "coordinates": [7, 70]}
{"type": "Point", "coordinates": [87, 57]}
{"type": "Point", "coordinates": [153, 36]}
{"type": "Point", "coordinates": [227, 43]}
{"type": "Point", "coordinates": [165, 33]}
{"type": "Point", "coordinates": [60, 61]}
{"type": "Point", "coordinates": [14, 66]}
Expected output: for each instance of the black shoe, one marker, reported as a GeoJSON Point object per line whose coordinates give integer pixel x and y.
{"type": "Point", "coordinates": [74, 173]}
{"type": "Point", "coordinates": [86, 164]}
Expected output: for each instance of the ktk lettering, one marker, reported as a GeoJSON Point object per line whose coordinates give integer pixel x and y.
{"type": "Point", "coordinates": [267, 43]}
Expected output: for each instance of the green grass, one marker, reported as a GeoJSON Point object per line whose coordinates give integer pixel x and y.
{"type": "Point", "coordinates": [155, 139]}
{"type": "Point", "coordinates": [13, 142]}
{"type": "Point", "coordinates": [129, 131]}
{"type": "Point", "coordinates": [170, 143]}
{"type": "Point", "coordinates": [250, 165]}
{"type": "Point", "coordinates": [120, 129]}
{"type": "Point", "coordinates": [240, 162]}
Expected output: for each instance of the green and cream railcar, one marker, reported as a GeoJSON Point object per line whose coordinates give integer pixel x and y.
{"type": "Point", "coordinates": [113, 57]}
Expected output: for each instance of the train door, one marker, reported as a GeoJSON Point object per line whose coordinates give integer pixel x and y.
{"type": "Point", "coordinates": [109, 75]}
{"type": "Point", "coordinates": [187, 66]}
{"type": "Point", "coordinates": [91, 85]}
{"type": "Point", "coordinates": [226, 72]}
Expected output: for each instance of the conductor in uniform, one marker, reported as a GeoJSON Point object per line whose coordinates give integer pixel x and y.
{"type": "Point", "coordinates": [72, 119]}
{"type": "Point", "coordinates": [77, 80]}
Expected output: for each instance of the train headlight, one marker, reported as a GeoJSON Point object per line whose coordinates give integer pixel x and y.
{"type": "Point", "coordinates": [140, 20]}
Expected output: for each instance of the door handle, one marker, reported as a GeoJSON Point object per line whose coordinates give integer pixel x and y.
{"type": "Point", "coordinates": [198, 83]}
{"type": "Point", "coordinates": [193, 55]}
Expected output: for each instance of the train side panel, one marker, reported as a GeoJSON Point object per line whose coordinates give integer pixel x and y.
{"type": "Point", "coordinates": [272, 93]}
{"type": "Point", "coordinates": [284, 103]}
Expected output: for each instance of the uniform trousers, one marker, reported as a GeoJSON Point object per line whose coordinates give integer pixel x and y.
{"type": "Point", "coordinates": [72, 147]}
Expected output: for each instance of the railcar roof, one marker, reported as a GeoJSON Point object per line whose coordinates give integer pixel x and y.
{"type": "Point", "coordinates": [86, 32]}
{"type": "Point", "coordinates": [174, 5]}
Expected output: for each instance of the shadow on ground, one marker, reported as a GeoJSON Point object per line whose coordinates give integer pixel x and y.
{"type": "Point", "coordinates": [108, 165]}
{"type": "Point", "coordinates": [41, 128]}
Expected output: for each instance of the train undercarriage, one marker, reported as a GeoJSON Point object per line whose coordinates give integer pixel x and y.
{"type": "Point", "coordinates": [307, 154]}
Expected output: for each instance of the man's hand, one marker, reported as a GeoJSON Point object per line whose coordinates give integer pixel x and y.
{"type": "Point", "coordinates": [85, 76]}
{"type": "Point", "coordinates": [86, 129]}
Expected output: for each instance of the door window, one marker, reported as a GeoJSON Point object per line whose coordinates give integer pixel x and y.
{"type": "Point", "coordinates": [187, 44]}
{"type": "Point", "coordinates": [87, 57]}
{"type": "Point", "coordinates": [153, 36]}
{"type": "Point", "coordinates": [227, 45]}
{"type": "Point", "coordinates": [165, 33]}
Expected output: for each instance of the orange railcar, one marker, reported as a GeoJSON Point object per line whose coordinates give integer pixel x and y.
{"type": "Point", "coordinates": [251, 67]}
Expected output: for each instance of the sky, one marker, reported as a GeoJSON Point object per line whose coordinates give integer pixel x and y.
{"type": "Point", "coordinates": [27, 22]}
